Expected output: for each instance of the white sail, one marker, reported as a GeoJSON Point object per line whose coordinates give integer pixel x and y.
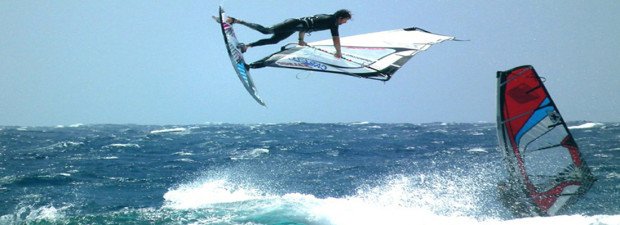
{"type": "Point", "coordinates": [374, 55]}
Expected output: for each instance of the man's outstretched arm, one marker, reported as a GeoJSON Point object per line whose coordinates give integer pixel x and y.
{"type": "Point", "coordinates": [336, 40]}
{"type": "Point", "coordinates": [301, 38]}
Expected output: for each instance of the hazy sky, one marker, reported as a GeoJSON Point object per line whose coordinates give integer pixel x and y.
{"type": "Point", "coordinates": [163, 62]}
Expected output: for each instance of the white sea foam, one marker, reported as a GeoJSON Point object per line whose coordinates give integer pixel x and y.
{"type": "Point", "coordinates": [250, 154]}
{"type": "Point", "coordinates": [601, 155]}
{"type": "Point", "coordinates": [586, 126]}
{"type": "Point", "coordinates": [397, 205]}
{"type": "Point", "coordinates": [477, 150]}
{"type": "Point", "coordinates": [613, 175]}
{"type": "Point", "coordinates": [417, 200]}
{"type": "Point", "coordinates": [203, 194]}
{"type": "Point", "coordinates": [564, 220]}
{"type": "Point", "coordinates": [171, 130]}
{"type": "Point", "coordinates": [45, 212]}
{"type": "Point", "coordinates": [184, 160]}
{"type": "Point", "coordinates": [398, 200]}
{"type": "Point", "coordinates": [30, 214]}
{"type": "Point", "coordinates": [7, 179]}
{"type": "Point", "coordinates": [354, 211]}
{"type": "Point", "coordinates": [71, 126]}
{"type": "Point", "coordinates": [118, 145]}
{"type": "Point", "coordinates": [183, 153]}
{"type": "Point", "coordinates": [65, 144]}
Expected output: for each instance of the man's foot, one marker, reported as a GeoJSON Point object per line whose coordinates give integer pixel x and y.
{"type": "Point", "coordinates": [247, 67]}
{"type": "Point", "coordinates": [242, 47]}
{"type": "Point", "coordinates": [216, 18]}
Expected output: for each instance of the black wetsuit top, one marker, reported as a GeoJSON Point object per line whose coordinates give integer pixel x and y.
{"type": "Point", "coordinates": [285, 29]}
{"type": "Point", "coordinates": [288, 27]}
{"type": "Point", "coordinates": [320, 22]}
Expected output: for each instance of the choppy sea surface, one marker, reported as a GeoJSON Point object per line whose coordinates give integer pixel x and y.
{"type": "Point", "coordinates": [293, 173]}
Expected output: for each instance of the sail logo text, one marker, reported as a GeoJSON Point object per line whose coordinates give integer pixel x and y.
{"type": "Point", "coordinates": [309, 63]}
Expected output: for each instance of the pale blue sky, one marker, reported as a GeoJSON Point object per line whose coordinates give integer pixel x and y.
{"type": "Point", "coordinates": [163, 62]}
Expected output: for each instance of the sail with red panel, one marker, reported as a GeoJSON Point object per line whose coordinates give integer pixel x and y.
{"type": "Point", "coordinates": [545, 166]}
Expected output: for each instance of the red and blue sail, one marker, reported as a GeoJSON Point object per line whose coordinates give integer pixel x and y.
{"type": "Point", "coordinates": [542, 157]}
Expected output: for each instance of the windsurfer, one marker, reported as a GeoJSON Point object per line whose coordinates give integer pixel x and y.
{"type": "Point", "coordinates": [303, 25]}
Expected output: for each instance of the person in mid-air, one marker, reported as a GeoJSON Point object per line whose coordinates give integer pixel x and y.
{"type": "Point", "coordinates": [302, 25]}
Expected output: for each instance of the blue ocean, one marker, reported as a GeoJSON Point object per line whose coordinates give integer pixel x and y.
{"type": "Point", "coordinates": [290, 173]}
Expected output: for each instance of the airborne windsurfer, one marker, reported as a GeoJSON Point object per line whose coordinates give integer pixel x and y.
{"type": "Point", "coordinates": [302, 25]}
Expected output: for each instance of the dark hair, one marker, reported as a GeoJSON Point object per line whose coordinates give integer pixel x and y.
{"type": "Point", "coordinates": [343, 13]}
